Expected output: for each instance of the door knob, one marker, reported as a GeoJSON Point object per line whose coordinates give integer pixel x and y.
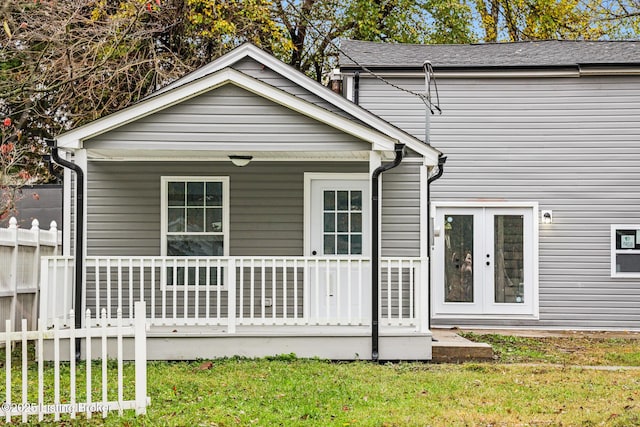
{"type": "Point", "coordinates": [488, 263]}
{"type": "Point", "coordinates": [314, 253]}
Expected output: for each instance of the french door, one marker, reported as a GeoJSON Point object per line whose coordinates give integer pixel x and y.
{"type": "Point", "coordinates": [484, 261]}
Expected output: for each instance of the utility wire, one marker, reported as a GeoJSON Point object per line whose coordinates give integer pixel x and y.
{"type": "Point", "coordinates": [426, 99]}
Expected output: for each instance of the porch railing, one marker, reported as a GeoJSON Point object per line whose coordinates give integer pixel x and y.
{"type": "Point", "coordinates": [228, 292]}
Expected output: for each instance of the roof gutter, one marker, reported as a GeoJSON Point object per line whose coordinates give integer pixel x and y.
{"type": "Point", "coordinates": [375, 249]}
{"type": "Point", "coordinates": [79, 237]}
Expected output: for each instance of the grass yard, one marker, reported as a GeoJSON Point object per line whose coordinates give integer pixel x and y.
{"type": "Point", "coordinates": [581, 349]}
{"type": "Point", "coordinates": [290, 392]}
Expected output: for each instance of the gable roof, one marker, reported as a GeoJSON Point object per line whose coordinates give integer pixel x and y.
{"type": "Point", "coordinates": [381, 133]}
{"type": "Point", "coordinates": [530, 54]}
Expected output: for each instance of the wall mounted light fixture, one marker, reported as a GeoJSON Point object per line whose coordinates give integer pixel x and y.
{"type": "Point", "coordinates": [547, 216]}
{"type": "Point", "coordinates": [240, 161]}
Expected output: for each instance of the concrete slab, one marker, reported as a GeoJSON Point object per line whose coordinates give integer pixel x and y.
{"type": "Point", "coordinates": [449, 347]}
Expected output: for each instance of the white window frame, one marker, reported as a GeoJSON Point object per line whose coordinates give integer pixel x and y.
{"type": "Point", "coordinates": [615, 251]}
{"type": "Point", "coordinates": [225, 215]}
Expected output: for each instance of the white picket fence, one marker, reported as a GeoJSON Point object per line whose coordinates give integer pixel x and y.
{"type": "Point", "coordinates": [20, 253]}
{"type": "Point", "coordinates": [69, 401]}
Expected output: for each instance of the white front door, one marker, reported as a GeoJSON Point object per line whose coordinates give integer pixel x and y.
{"type": "Point", "coordinates": [339, 236]}
{"type": "Point", "coordinates": [485, 261]}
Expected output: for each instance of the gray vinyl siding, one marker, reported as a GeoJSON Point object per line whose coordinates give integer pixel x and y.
{"type": "Point", "coordinates": [262, 73]}
{"type": "Point", "coordinates": [266, 204]}
{"type": "Point", "coordinates": [266, 219]}
{"type": "Point", "coordinates": [400, 213]}
{"type": "Point", "coordinates": [570, 144]}
{"type": "Point", "coordinates": [228, 118]}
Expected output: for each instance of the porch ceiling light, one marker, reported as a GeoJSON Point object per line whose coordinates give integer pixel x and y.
{"type": "Point", "coordinates": [547, 217]}
{"type": "Point", "coordinates": [240, 161]}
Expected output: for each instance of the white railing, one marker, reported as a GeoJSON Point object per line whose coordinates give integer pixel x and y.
{"type": "Point", "coordinates": [57, 399]}
{"type": "Point", "coordinates": [239, 291]}
{"type": "Point", "coordinates": [20, 252]}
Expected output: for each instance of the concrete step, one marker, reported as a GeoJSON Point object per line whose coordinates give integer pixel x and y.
{"type": "Point", "coordinates": [449, 347]}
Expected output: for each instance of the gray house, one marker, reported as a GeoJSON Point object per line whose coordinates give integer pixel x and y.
{"type": "Point", "coordinates": [537, 216]}
{"type": "Point", "coordinates": [240, 203]}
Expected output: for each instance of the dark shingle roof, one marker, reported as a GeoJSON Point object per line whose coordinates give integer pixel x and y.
{"type": "Point", "coordinates": [551, 53]}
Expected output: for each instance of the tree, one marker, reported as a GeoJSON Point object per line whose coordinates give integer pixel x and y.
{"type": "Point", "coordinates": [517, 20]}
{"type": "Point", "coordinates": [315, 26]}
{"type": "Point", "coordinates": [14, 166]}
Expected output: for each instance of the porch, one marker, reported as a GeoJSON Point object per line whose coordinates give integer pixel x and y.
{"type": "Point", "coordinates": [251, 306]}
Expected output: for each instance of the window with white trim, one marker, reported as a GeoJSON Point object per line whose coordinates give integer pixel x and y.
{"type": "Point", "coordinates": [625, 250]}
{"type": "Point", "coordinates": [195, 223]}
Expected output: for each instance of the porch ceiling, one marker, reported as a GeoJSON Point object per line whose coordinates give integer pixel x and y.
{"type": "Point", "coordinates": [208, 155]}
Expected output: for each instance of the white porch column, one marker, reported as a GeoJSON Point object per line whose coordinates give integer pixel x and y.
{"type": "Point", "coordinates": [422, 282]}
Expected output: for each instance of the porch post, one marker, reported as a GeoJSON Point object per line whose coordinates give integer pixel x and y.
{"type": "Point", "coordinates": [231, 296]}
{"type": "Point", "coordinates": [422, 280]}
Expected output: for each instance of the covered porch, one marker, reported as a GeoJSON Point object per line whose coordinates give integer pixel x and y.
{"type": "Point", "coordinates": [248, 203]}
{"type": "Point", "coordinates": [256, 306]}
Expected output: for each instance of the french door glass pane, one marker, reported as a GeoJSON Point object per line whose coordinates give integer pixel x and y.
{"type": "Point", "coordinates": [508, 269]}
{"type": "Point", "coordinates": [458, 232]}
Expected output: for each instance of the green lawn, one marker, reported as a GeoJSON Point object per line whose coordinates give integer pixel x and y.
{"type": "Point", "coordinates": [289, 392]}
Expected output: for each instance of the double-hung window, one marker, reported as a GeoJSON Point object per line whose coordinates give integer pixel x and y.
{"type": "Point", "coordinates": [625, 251]}
{"type": "Point", "coordinates": [195, 223]}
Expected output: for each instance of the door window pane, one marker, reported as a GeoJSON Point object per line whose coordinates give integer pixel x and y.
{"type": "Point", "coordinates": [343, 222]}
{"type": "Point", "coordinates": [508, 252]}
{"type": "Point", "coordinates": [343, 244]}
{"type": "Point", "coordinates": [343, 200]}
{"type": "Point", "coordinates": [329, 244]}
{"type": "Point", "coordinates": [329, 200]}
{"type": "Point", "coordinates": [356, 222]}
{"type": "Point", "coordinates": [459, 258]}
{"type": "Point", "coordinates": [329, 222]}
{"type": "Point", "coordinates": [356, 200]}
{"type": "Point", "coordinates": [356, 244]}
